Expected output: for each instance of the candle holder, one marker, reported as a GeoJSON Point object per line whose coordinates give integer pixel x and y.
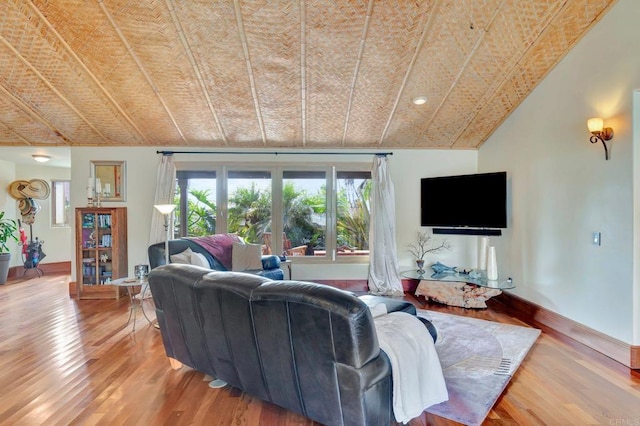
{"type": "Point", "coordinates": [98, 201]}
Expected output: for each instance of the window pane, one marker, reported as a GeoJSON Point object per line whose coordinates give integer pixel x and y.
{"type": "Point", "coordinates": [199, 189]}
{"type": "Point", "coordinates": [304, 213]}
{"type": "Point", "coordinates": [352, 221]}
{"type": "Point", "coordinates": [249, 204]}
{"type": "Point", "coordinates": [60, 202]}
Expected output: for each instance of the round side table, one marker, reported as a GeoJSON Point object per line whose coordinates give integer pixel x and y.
{"type": "Point", "coordinates": [135, 303]}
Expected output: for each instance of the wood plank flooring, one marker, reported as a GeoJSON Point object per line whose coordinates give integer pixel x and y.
{"type": "Point", "coordinates": [64, 361]}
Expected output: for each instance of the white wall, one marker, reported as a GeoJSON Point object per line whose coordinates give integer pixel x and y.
{"type": "Point", "coordinates": [562, 189]}
{"type": "Point", "coordinates": [407, 167]}
{"type": "Point", "coordinates": [57, 240]}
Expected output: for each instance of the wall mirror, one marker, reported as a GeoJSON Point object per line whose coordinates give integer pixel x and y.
{"type": "Point", "coordinates": [112, 175]}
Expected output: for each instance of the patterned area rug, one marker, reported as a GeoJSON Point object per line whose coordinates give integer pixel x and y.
{"type": "Point", "coordinates": [478, 359]}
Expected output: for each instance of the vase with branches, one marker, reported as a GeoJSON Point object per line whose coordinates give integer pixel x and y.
{"type": "Point", "coordinates": [424, 245]}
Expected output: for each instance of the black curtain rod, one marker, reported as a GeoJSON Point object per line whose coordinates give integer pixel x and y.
{"type": "Point", "coordinates": [379, 154]}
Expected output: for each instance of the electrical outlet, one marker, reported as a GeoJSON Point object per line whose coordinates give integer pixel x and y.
{"type": "Point", "coordinates": [596, 239]}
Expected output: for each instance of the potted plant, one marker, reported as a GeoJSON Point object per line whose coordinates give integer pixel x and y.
{"type": "Point", "coordinates": [8, 229]}
{"type": "Point", "coordinates": [423, 246]}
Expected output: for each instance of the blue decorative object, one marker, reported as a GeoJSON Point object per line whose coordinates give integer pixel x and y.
{"type": "Point", "coordinates": [475, 274]}
{"type": "Point", "coordinates": [440, 268]}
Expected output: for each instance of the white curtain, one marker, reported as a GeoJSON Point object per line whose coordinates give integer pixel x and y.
{"type": "Point", "coordinates": [165, 190]}
{"type": "Point", "coordinates": [384, 276]}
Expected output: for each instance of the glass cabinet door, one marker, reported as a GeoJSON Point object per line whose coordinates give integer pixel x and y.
{"type": "Point", "coordinates": [96, 248]}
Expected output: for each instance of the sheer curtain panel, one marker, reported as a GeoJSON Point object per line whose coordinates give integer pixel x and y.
{"type": "Point", "coordinates": [165, 190]}
{"type": "Point", "coordinates": [384, 276]}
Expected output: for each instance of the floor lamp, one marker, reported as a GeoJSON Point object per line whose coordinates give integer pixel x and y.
{"type": "Point", "coordinates": [166, 210]}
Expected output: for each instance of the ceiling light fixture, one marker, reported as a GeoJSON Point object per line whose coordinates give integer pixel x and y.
{"type": "Point", "coordinates": [40, 158]}
{"type": "Point", "coordinates": [600, 133]}
{"type": "Point", "coordinates": [420, 100]}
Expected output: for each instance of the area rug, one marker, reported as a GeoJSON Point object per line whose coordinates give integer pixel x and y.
{"type": "Point", "coordinates": [478, 359]}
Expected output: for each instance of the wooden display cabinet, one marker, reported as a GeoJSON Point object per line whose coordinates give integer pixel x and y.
{"type": "Point", "coordinates": [101, 251]}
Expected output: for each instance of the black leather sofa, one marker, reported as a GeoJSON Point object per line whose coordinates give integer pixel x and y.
{"type": "Point", "coordinates": [270, 263]}
{"type": "Point", "coordinates": [307, 347]}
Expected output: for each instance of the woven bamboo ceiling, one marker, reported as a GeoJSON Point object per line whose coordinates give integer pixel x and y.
{"type": "Point", "coordinates": [264, 74]}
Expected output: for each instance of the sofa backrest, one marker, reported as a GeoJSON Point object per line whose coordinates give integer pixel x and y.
{"type": "Point", "coordinates": [287, 342]}
{"type": "Point", "coordinates": [192, 311]}
{"type": "Point", "coordinates": [305, 332]}
{"type": "Point", "coordinates": [157, 256]}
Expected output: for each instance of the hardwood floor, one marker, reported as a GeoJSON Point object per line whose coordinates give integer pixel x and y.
{"type": "Point", "coordinates": [64, 361]}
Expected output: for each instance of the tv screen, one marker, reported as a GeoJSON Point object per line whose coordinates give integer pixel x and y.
{"type": "Point", "coordinates": [475, 201]}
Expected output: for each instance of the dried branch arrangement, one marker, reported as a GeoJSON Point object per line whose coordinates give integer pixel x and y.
{"type": "Point", "coordinates": [424, 245]}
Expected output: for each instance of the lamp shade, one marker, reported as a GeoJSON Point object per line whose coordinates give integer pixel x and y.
{"type": "Point", "coordinates": [595, 125]}
{"type": "Point", "coordinates": [165, 208]}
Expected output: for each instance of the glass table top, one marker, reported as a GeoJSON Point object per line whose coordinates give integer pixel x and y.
{"type": "Point", "coordinates": [478, 278]}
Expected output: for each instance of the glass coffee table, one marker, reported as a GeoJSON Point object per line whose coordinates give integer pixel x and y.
{"type": "Point", "coordinates": [466, 290]}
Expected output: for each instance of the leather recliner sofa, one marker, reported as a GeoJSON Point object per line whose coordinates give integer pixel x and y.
{"type": "Point", "coordinates": [307, 347]}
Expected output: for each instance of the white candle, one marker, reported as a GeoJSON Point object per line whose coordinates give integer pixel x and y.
{"type": "Point", "coordinates": [98, 186]}
{"type": "Point", "coordinates": [90, 182]}
{"type": "Point", "coordinates": [89, 192]}
{"type": "Point", "coordinates": [107, 188]}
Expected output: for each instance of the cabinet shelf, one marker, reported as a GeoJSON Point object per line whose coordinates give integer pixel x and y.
{"type": "Point", "coordinates": [100, 232]}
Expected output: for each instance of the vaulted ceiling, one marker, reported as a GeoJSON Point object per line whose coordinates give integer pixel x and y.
{"type": "Point", "coordinates": [266, 74]}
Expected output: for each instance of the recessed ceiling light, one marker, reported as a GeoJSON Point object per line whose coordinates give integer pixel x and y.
{"type": "Point", "coordinates": [420, 100]}
{"type": "Point", "coordinates": [41, 158]}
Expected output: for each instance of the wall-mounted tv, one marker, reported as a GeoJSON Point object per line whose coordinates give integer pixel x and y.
{"type": "Point", "coordinates": [470, 201]}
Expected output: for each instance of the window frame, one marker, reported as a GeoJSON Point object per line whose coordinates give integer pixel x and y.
{"type": "Point", "coordinates": [53, 205]}
{"type": "Point", "coordinates": [276, 170]}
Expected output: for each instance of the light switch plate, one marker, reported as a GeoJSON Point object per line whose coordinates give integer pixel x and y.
{"type": "Point", "coordinates": [596, 239]}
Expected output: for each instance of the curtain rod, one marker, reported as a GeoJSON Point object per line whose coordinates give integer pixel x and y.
{"type": "Point", "coordinates": [378, 154]}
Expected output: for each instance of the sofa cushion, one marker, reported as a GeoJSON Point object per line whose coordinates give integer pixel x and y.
{"type": "Point", "coordinates": [190, 257]}
{"type": "Point", "coordinates": [183, 257]}
{"type": "Point", "coordinates": [198, 259]}
{"type": "Point", "coordinates": [246, 257]}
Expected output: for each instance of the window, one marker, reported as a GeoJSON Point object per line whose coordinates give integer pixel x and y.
{"type": "Point", "coordinates": [196, 212]}
{"type": "Point", "coordinates": [304, 213]}
{"type": "Point", "coordinates": [60, 202]}
{"type": "Point", "coordinates": [313, 212]}
{"type": "Point", "coordinates": [352, 218]}
{"type": "Point", "coordinates": [249, 204]}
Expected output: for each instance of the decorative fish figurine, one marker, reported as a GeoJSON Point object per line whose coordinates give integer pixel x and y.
{"type": "Point", "coordinates": [440, 268]}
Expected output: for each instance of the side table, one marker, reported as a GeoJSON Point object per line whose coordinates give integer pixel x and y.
{"type": "Point", "coordinates": [135, 303]}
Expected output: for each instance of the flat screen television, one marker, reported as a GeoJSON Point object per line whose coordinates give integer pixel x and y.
{"type": "Point", "coordinates": [472, 201]}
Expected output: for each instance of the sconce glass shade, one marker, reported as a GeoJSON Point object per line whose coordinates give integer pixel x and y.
{"type": "Point", "coordinates": [595, 125]}
{"type": "Point", "coordinates": [165, 209]}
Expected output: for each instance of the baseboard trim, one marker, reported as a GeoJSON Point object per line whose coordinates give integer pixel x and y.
{"type": "Point", "coordinates": [349, 285]}
{"type": "Point", "coordinates": [53, 268]}
{"type": "Point", "coordinates": [534, 314]}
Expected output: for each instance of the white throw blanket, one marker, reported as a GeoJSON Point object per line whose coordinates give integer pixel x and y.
{"type": "Point", "coordinates": [418, 382]}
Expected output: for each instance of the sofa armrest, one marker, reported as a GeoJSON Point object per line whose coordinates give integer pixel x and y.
{"type": "Point", "coordinates": [270, 261]}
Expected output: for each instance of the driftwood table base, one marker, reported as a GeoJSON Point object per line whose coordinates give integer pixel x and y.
{"type": "Point", "coordinates": [456, 293]}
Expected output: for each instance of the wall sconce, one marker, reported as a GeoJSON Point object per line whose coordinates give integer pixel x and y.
{"type": "Point", "coordinates": [600, 133]}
